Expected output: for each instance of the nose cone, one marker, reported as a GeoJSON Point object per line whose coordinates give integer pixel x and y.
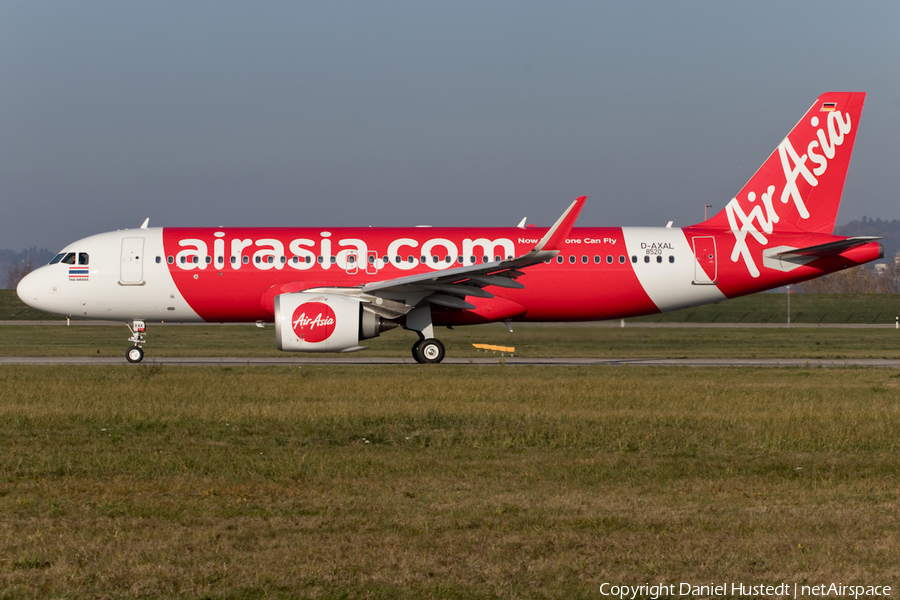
{"type": "Point", "coordinates": [34, 291]}
{"type": "Point", "coordinates": [25, 289]}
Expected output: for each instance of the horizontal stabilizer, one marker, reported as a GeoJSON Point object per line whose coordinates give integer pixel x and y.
{"type": "Point", "coordinates": [829, 249]}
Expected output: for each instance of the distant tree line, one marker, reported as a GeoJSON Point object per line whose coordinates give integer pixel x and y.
{"type": "Point", "coordinates": [17, 265]}
{"type": "Point", "coordinates": [858, 280]}
{"type": "Point", "coordinates": [888, 231]}
{"type": "Point", "coordinates": [882, 277]}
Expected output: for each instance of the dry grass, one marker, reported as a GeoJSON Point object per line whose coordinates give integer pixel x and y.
{"type": "Point", "coordinates": [449, 482]}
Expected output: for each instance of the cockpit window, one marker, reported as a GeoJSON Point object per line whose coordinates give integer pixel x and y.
{"type": "Point", "coordinates": [57, 258]}
{"type": "Point", "coordinates": [69, 258]}
{"type": "Point", "coordinates": [83, 258]}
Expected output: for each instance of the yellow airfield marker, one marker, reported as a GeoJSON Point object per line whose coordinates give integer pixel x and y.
{"type": "Point", "coordinates": [486, 347]}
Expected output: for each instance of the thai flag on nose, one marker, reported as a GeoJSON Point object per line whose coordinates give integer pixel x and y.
{"type": "Point", "coordinates": [78, 272]}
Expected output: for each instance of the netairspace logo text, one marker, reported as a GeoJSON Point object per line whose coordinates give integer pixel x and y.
{"type": "Point", "coordinates": [708, 590]}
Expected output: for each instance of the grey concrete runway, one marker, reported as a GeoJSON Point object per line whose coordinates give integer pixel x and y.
{"type": "Point", "coordinates": [296, 361]}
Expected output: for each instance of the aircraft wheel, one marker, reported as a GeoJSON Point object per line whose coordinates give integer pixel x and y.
{"type": "Point", "coordinates": [134, 354]}
{"type": "Point", "coordinates": [415, 350]}
{"type": "Point", "coordinates": [429, 351]}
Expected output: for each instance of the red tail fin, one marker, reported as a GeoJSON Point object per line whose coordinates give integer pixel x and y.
{"type": "Point", "coordinates": [799, 186]}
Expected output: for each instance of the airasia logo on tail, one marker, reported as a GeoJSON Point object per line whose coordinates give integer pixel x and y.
{"type": "Point", "coordinates": [762, 216]}
{"type": "Point", "coordinates": [313, 322]}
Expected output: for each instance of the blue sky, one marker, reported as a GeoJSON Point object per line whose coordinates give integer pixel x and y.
{"type": "Point", "coordinates": [407, 113]}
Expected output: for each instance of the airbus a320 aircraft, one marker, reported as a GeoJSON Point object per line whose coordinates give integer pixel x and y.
{"type": "Point", "coordinates": [327, 289]}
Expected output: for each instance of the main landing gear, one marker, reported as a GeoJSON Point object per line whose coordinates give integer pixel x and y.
{"type": "Point", "coordinates": [426, 349]}
{"type": "Point", "coordinates": [135, 354]}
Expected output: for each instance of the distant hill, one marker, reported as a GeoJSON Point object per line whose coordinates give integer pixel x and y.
{"type": "Point", "coordinates": [11, 258]}
{"type": "Point", "coordinates": [888, 230]}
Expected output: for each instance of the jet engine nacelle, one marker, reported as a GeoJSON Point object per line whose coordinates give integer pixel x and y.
{"type": "Point", "coordinates": [316, 322]}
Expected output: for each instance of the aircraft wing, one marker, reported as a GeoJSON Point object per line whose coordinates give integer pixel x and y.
{"type": "Point", "coordinates": [449, 287]}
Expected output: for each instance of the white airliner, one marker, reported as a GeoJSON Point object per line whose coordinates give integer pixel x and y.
{"type": "Point", "coordinates": [326, 289]}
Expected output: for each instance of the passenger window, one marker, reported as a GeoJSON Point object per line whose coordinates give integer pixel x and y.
{"type": "Point", "coordinates": [671, 259]}
{"type": "Point", "coordinates": [233, 259]}
{"type": "Point", "coordinates": [83, 258]}
{"type": "Point", "coordinates": [245, 260]}
{"type": "Point", "coordinates": [170, 259]}
{"type": "Point", "coordinates": [158, 259]}
{"type": "Point", "coordinates": [371, 260]}
{"type": "Point", "coordinates": [320, 259]}
{"type": "Point", "coordinates": [410, 259]}
{"type": "Point", "coordinates": [609, 259]}
{"type": "Point", "coordinates": [596, 260]}
{"type": "Point", "coordinates": [208, 259]}
{"type": "Point", "coordinates": [659, 259]}
{"type": "Point", "coordinates": [220, 259]}
{"type": "Point", "coordinates": [497, 259]}
{"type": "Point", "coordinates": [484, 259]}
{"type": "Point", "coordinates": [646, 259]}
{"type": "Point", "coordinates": [57, 258]}
{"type": "Point", "coordinates": [459, 259]}
{"type": "Point", "coordinates": [332, 259]}
{"type": "Point", "coordinates": [583, 259]}
{"type": "Point", "coordinates": [283, 259]}
{"type": "Point", "coordinates": [572, 260]}
{"type": "Point", "coordinates": [69, 259]}
{"type": "Point", "coordinates": [559, 259]}
{"type": "Point", "coordinates": [634, 259]}
{"type": "Point", "coordinates": [621, 259]}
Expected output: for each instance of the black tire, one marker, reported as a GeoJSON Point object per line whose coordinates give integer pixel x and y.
{"type": "Point", "coordinates": [135, 354]}
{"type": "Point", "coordinates": [429, 351]}
{"type": "Point", "coordinates": [415, 350]}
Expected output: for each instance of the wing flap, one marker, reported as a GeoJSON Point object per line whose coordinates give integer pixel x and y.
{"type": "Point", "coordinates": [449, 301]}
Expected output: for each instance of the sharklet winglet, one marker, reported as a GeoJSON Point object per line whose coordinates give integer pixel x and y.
{"type": "Point", "coordinates": [553, 239]}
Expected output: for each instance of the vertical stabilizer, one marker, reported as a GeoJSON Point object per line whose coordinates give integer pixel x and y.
{"type": "Point", "coordinates": [799, 186]}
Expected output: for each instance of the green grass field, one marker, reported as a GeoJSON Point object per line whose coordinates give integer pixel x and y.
{"type": "Point", "coordinates": [530, 341]}
{"type": "Point", "coordinates": [805, 308]}
{"type": "Point", "coordinates": [758, 308]}
{"type": "Point", "coordinates": [396, 482]}
{"type": "Point", "coordinates": [13, 309]}
{"type": "Point", "coordinates": [446, 481]}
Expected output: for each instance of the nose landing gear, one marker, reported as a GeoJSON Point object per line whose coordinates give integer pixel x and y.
{"type": "Point", "coordinates": [135, 354]}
